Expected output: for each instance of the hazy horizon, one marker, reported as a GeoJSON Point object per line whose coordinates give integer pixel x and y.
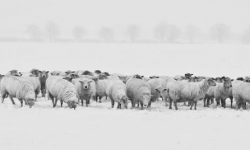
{"type": "Point", "coordinates": [16, 15]}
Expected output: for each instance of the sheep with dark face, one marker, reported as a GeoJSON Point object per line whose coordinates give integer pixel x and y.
{"type": "Point", "coordinates": [35, 72]}
{"type": "Point", "coordinates": [18, 87]}
{"type": "Point", "coordinates": [138, 91]}
{"type": "Point", "coordinates": [63, 90]}
{"type": "Point", "coordinates": [222, 91]}
{"type": "Point", "coordinates": [85, 89]}
{"type": "Point", "coordinates": [179, 91]}
{"type": "Point", "coordinates": [116, 91]}
{"type": "Point", "coordinates": [42, 78]}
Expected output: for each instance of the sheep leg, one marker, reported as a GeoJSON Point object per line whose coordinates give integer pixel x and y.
{"type": "Point", "coordinates": [21, 101]}
{"type": "Point", "coordinates": [175, 105]}
{"type": "Point", "coordinates": [61, 102]}
{"type": "Point", "coordinates": [205, 101]}
{"type": "Point", "coordinates": [217, 101]}
{"type": "Point", "coordinates": [237, 104]}
{"type": "Point", "coordinates": [141, 105]}
{"type": "Point", "coordinates": [112, 103]}
{"type": "Point", "coordinates": [3, 96]}
{"type": "Point", "coordinates": [191, 105]}
{"type": "Point", "coordinates": [82, 101]}
{"type": "Point", "coordinates": [87, 102]}
{"type": "Point", "coordinates": [231, 98]}
{"type": "Point", "coordinates": [132, 104]}
{"type": "Point", "coordinates": [55, 102]}
{"type": "Point", "coordinates": [11, 98]}
{"type": "Point", "coordinates": [149, 105]}
{"type": "Point", "coordinates": [119, 106]}
{"type": "Point", "coordinates": [208, 101]}
{"type": "Point", "coordinates": [170, 103]}
{"type": "Point", "coordinates": [195, 104]}
{"type": "Point", "coordinates": [185, 104]}
{"type": "Point", "coordinates": [224, 103]}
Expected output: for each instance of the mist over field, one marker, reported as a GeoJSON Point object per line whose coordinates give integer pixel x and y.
{"type": "Point", "coordinates": [176, 21]}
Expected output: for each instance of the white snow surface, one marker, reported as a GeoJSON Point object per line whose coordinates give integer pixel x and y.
{"type": "Point", "coordinates": [99, 126]}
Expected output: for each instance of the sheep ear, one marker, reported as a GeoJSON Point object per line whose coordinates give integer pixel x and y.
{"type": "Point", "coordinates": [90, 81]}
{"type": "Point", "coordinates": [47, 71]}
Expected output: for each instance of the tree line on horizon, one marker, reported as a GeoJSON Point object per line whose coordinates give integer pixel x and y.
{"type": "Point", "coordinates": [162, 33]}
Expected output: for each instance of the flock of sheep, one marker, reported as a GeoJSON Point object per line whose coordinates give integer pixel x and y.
{"type": "Point", "coordinates": [79, 87]}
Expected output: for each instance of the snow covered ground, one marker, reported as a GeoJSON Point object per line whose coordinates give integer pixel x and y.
{"type": "Point", "coordinates": [99, 126]}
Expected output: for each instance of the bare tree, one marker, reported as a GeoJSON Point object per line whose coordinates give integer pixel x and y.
{"type": "Point", "coordinates": [78, 33]}
{"type": "Point", "coordinates": [133, 32]}
{"type": "Point", "coordinates": [167, 32]}
{"type": "Point", "coordinates": [35, 32]}
{"type": "Point", "coordinates": [160, 32]}
{"type": "Point", "coordinates": [52, 31]}
{"type": "Point", "coordinates": [107, 34]}
{"type": "Point", "coordinates": [219, 32]}
{"type": "Point", "coordinates": [246, 36]}
{"type": "Point", "coordinates": [191, 33]}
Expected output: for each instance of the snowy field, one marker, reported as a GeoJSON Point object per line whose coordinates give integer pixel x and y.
{"type": "Point", "coordinates": [99, 126]}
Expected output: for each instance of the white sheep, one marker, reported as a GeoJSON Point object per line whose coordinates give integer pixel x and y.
{"type": "Point", "coordinates": [35, 82]}
{"type": "Point", "coordinates": [222, 91]}
{"type": "Point", "coordinates": [138, 91]}
{"type": "Point", "coordinates": [116, 91]}
{"type": "Point", "coordinates": [101, 86]}
{"type": "Point", "coordinates": [18, 87]}
{"type": "Point", "coordinates": [62, 90]}
{"type": "Point", "coordinates": [180, 91]}
{"type": "Point", "coordinates": [158, 87]}
{"type": "Point", "coordinates": [241, 90]}
{"type": "Point", "coordinates": [85, 89]}
{"type": "Point", "coordinates": [58, 73]}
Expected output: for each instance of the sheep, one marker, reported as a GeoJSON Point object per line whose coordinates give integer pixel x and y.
{"type": "Point", "coordinates": [86, 72]}
{"type": "Point", "coordinates": [138, 91]}
{"type": "Point", "coordinates": [35, 72]}
{"type": "Point", "coordinates": [13, 73]}
{"type": "Point", "coordinates": [43, 75]}
{"type": "Point", "coordinates": [58, 73]}
{"type": "Point", "coordinates": [85, 89]}
{"type": "Point", "coordinates": [222, 91]}
{"type": "Point", "coordinates": [101, 86]}
{"type": "Point", "coordinates": [97, 72]}
{"type": "Point", "coordinates": [209, 96]}
{"type": "Point", "coordinates": [241, 90]}
{"type": "Point", "coordinates": [116, 91]}
{"type": "Point", "coordinates": [158, 86]}
{"type": "Point", "coordinates": [62, 90]}
{"type": "Point", "coordinates": [35, 83]}
{"type": "Point", "coordinates": [179, 91]}
{"type": "Point", "coordinates": [69, 72]}
{"type": "Point", "coordinates": [18, 87]}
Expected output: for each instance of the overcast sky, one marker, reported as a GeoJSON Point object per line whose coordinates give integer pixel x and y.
{"type": "Point", "coordinates": [15, 15]}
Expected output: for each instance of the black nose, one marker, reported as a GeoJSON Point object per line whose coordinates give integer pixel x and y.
{"type": "Point", "coordinates": [85, 87]}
